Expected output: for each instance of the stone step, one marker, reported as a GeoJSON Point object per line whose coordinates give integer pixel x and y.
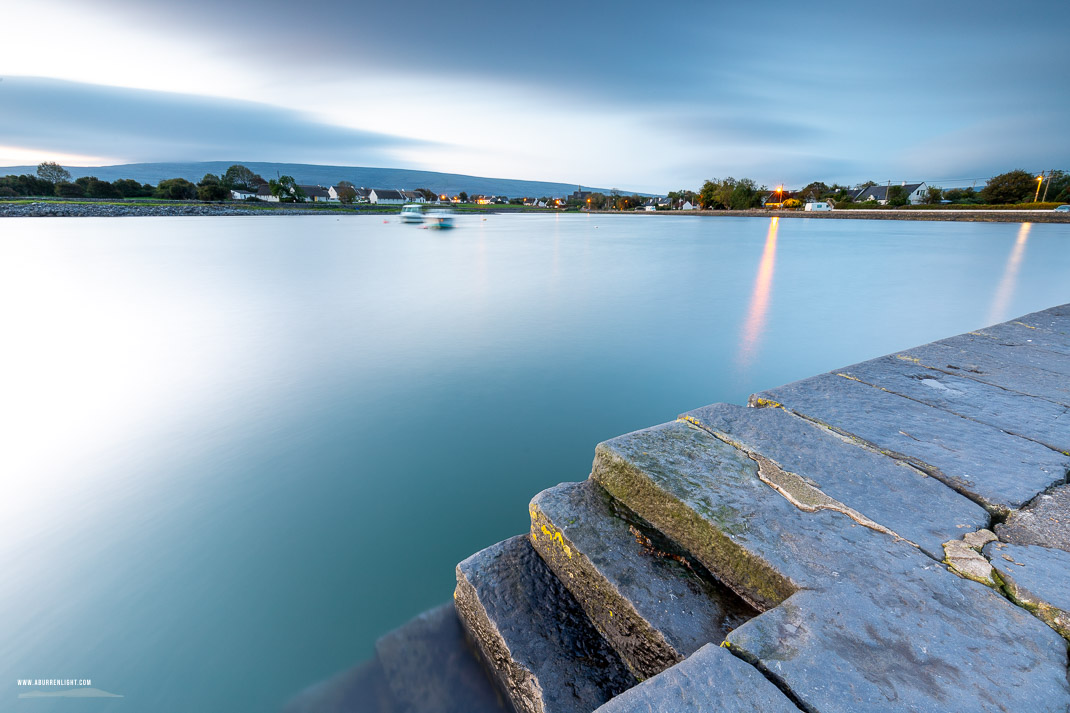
{"type": "Point", "coordinates": [995, 469]}
{"type": "Point", "coordinates": [1030, 417]}
{"type": "Point", "coordinates": [533, 635]}
{"type": "Point", "coordinates": [827, 471]}
{"type": "Point", "coordinates": [430, 667]}
{"type": "Point", "coordinates": [1049, 330]}
{"type": "Point", "coordinates": [654, 606]}
{"type": "Point", "coordinates": [856, 619]}
{"type": "Point", "coordinates": [710, 680]}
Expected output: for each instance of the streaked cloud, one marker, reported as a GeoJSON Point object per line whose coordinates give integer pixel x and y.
{"type": "Point", "coordinates": [623, 94]}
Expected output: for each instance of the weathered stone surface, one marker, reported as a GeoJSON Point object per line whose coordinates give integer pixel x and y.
{"type": "Point", "coordinates": [710, 680]}
{"type": "Point", "coordinates": [997, 470]}
{"type": "Point", "coordinates": [1045, 521]}
{"type": "Point", "coordinates": [361, 689]}
{"type": "Point", "coordinates": [1021, 333]}
{"type": "Point", "coordinates": [967, 562]}
{"type": "Point", "coordinates": [927, 643]}
{"type": "Point", "coordinates": [1038, 578]}
{"type": "Point", "coordinates": [914, 506]}
{"type": "Point", "coordinates": [1028, 416]}
{"type": "Point", "coordinates": [979, 539]}
{"type": "Point", "coordinates": [878, 626]}
{"type": "Point", "coordinates": [532, 633]}
{"type": "Point", "coordinates": [706, 495]}
{"type": "Point", "coordinates": [1006, 367]}
{"type": "Point", "coordinates": [649, 602]}
{"type": "Point", "coordinates": [430, 668]}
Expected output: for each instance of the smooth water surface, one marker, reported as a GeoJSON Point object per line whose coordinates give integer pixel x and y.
{"type": "Point", "coordinates": [235, 451]}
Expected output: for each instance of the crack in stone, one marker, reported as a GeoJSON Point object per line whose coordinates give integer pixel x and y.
{"type": "Point", "coordinates": [793, 487]}
{"type": "Point", "coordinates": [781, 685]}
{"type": "Point", "coordinates": [994, 509]}
{"type": "Point", "coordinates": [956, 413]}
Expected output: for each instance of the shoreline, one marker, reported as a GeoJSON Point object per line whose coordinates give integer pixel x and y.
{"type": "Point", "coordinates": [59, 209]}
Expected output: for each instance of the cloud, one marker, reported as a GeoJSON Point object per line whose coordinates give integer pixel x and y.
{"type": "Point", "coordinates": [139, 125]}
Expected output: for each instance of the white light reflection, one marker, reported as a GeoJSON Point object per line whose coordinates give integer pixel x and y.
{"type": "Point", "coordinates": [1002, 299]}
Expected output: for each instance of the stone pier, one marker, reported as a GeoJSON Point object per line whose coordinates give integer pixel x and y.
{"type": "Point", "coordinates": [890, 536]}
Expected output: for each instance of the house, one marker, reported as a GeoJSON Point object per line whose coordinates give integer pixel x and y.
{"type": "Point", "coordinates": [915, 193]}
{"type": "Point", "coordinates": [413, 196]}
{"type": "Point", "coordinates": [264, 194]}
{"type": "Point", "coordinates": [361, 194]}
{"type": "Point", "coordinates": [777, 199]}
{"type": "Point", "coordinates": [386, 196]}
{"type": "Point", "coordinates": [316, 194]}
{"type": "Point", "coordinates": [686, 205]}
{"type": "Point", "coordinates": [242, 195]}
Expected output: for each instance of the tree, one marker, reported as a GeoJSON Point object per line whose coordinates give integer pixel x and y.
{"type": "Point", "coordinates": [52, 172]}
{"type": "Point", "coordinates": [129, 188]}
{"type": "Point", "coordinates": [464, 197]}
{"type": "Point", "coordinates": [286, 189]}
{"type": "Point", "coordinates": [213, 192]}
{"type": "Point", "coordinates": [816, 191]}
{"type": "Point", "coordinates": [1058, 187]}
{"type": "Point", "coordinates": [933, 195]}
{"type": "Point", "coordinates": [1012, 187]}
{"type": "Point", "coordinates": [69, 190]}
{"type": "Point", "coordinates": [897, 196]}
{"type": "Point", "coordinates": [96, 188]}
{"type": "Point", "coordinates": [427, 193]}
{"type": "Point", "coordinates": [347, 192]}
{"type": "Point", "coordinates": [241, 178]}
{"type": "Point", "coordinates": [176, 189]}
{"type": "Point", "coordinates": [744, 195]}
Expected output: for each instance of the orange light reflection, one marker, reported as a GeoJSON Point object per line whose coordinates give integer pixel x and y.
{"type": "Point", "coordinates": [754, 324]}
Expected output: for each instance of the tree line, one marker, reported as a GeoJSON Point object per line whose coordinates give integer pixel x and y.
{"type": "Point", "coordinates": [52, 179]}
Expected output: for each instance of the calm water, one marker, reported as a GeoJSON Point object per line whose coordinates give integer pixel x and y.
{"type": "Point", "coordinates": [235, 451]}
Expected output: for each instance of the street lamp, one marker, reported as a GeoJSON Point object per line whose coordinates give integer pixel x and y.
{"type": "Point", "coordinates": [1040, 179]}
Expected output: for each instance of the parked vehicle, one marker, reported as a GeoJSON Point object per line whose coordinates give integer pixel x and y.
{"type": "Point", "coordinates": [1063, 209]}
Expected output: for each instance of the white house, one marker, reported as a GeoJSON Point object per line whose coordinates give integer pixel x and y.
{"type": "Point", "coordinates": [264, 194]}
{"type": "Point", "coordinates": [386, 196]}
{"type": "Point", "coordinates": [687, 206]}
{"type": "Point", "coordinates": [915, 193]}
{"type": "Point", "coordinates": [413, 196]}
{"type": "Point", "coordinates": [241, 195]}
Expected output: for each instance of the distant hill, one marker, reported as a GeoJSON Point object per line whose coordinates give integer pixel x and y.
{"type": "Point", "coordinates": [403, 178]}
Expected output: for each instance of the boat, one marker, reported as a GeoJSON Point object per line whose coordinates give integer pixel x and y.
{"type": "Point", "coordinates": [441, 219]}
{"type": "Point", "coordinates": [412, 213]}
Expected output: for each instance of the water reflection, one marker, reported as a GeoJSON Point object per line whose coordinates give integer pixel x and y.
{"type": "Point", "coordinates": [1005, 291]}
{"type": "Point", "coordinates": [757, 311]}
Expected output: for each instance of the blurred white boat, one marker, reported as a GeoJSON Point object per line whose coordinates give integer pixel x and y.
{"type": "Point", "coordinates": [441, 219]}
{"type": "Point", "coordinates": [412, 213]}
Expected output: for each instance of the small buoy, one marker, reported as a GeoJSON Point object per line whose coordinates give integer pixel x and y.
{"type": "Point", "coordinates": [386, 221]}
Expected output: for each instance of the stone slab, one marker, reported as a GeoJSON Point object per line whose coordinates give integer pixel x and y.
{"type": "Point", "coordinates": [431, 669]}
{"type": "Point", "coordinates": [1038, 578]}
{"type": "Point", "coordinates": [929, 642]}
{"type": "Point", "coordinates": [361, 689]}
{"type": "Point", "coordinates": [1000, 471]}
{"type": "Point", "coordinates": [712, 679]}
{"type": "Point", "coordinates": [532, 634]}
{"type": "Point", "coordinates": [869, 623]}
{"type": "Point", "coordinates": [906, 501]}
{"type": "Point", "coordinates": [1045, 521]}
{"type": "Point", "coordinates": [1019, 414]}
{"type": "Point", "coordinates": [706, 495]}
{"type": "Point", "coordinates": [1022, 334]}
{"type": "Point", "coordinates": [650, 602]}
{"type": "Point", "coordinates": [979, 360]}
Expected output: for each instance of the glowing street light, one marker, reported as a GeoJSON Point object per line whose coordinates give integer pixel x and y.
{"type": "Point", "coordinates": [1040, 179]}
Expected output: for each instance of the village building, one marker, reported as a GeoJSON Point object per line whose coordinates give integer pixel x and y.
{"type": "Point", "coordinates": [386, 196]}
{"type": "Point", "coordinates": [915, 193]}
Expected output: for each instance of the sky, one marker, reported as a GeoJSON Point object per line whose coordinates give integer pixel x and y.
{"type": "Point", "coordinates": [629, 95]}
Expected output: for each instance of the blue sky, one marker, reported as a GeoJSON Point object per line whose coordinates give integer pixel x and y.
{"type": "Point", "coordinates": [627, 94]}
